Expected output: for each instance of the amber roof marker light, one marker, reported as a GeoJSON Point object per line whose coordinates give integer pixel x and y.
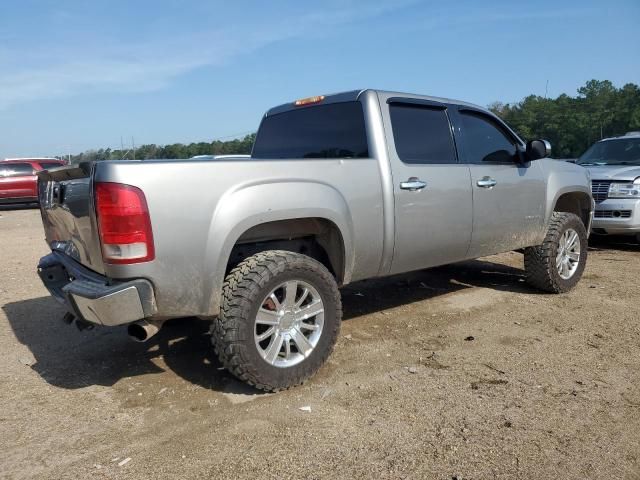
{"type": "Point", "coordinates": [309, 100]}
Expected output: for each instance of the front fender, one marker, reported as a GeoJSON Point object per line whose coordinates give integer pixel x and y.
{"type": "Point", "coordinates": [565, 178]}
{"type": "Point", "coordinates": [252, 204]}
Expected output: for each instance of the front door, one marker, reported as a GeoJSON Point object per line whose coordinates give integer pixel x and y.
{"type": "Point", "coordinates": [508, 197]}
{"type": "Point", "coordinates": [433, 205]}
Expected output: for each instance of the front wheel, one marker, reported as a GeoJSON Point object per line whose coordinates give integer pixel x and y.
{"type": "Point", "coordinates": [279, 320]}
{"type": "Point", "coordinates": [556, 266]}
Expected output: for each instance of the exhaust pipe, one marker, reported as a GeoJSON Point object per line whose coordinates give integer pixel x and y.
{"type": "Point", "coordinates": [143, 330]}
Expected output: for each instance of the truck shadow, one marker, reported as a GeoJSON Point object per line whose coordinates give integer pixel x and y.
{"type": "Point", "coordinates": [68, 358]}
{"type": "Point", "coordinates": [623, 243]}
{"type": "Point", "coordinates": [369, 296]}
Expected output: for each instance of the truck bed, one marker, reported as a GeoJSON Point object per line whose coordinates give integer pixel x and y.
{"type": "Point", "coordinates": [199, 209]}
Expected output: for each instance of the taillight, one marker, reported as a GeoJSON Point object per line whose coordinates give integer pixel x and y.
{"type": "Point", "coordinates": [124, 223]}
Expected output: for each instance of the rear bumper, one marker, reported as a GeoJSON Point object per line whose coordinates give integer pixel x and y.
{"type": "Point", "coordinates": [95, 298]}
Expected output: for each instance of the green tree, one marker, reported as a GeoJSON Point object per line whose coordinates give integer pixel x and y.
{"type": "Point", "coordinates": [572, 124]}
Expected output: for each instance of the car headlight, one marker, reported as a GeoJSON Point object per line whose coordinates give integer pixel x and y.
{"type": "Point", "coordinates": [625, 190]}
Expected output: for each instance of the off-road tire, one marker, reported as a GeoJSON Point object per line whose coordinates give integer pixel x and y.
{"type": "Point", "coordinates": [540, 261]}
{"type": "Point", "coordinates": [244, 288]}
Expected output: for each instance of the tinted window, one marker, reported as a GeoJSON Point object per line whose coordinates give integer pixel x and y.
{"type": "Point", "coordinates": [422, 134]}
{"type": "Point", "coordinates": [16, 169]}
{"type": "Point", "coordinates": [485, 141]}
{"type": "Point", "coordinates": [46, 165]}
{"type": "Point", "coordinates": [324, 131]}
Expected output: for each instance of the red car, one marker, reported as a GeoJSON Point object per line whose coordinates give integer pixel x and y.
{"type": "Point", "coordinates": [18, 181]}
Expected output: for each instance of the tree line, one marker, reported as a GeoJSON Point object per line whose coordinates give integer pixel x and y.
{"type": "Point", "coordinates": [175, 150]}
{"type": "Point", "coordinates": [571, 124]}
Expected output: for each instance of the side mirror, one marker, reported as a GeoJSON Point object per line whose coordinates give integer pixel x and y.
{"type": "Point", "coordinates": [537, 149]}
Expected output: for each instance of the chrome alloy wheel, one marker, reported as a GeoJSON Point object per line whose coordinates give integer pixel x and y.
{"type": "Point", "coordinates": [289, 323]}
{"type": "Point", "coordinates": [568, 256]}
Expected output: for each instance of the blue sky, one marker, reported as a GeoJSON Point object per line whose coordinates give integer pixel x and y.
{"type": "Point", "coordinates": [82, 74]}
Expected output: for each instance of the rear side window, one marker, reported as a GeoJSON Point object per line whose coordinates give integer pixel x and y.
{"type": "Point", "coordinates": [16, 170]}
{"type": "Point", "coordinates": [335, 130]}
{"type": "Point", "coordinates": [46, 165]}
{"type": "Point", "coordinates": [485, 141]}
{"type": "Point", "coordinates": [422, 134]}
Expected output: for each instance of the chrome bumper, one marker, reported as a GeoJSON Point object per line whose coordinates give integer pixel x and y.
{"type": "Point", "coordinates": [92, 297]}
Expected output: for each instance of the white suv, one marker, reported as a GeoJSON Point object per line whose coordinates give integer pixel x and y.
{"type": "Point", "coordinates": [614, 164]}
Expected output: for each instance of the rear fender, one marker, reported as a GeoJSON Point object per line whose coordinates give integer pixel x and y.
{"type": "Point", "coordinates": [252, 204]}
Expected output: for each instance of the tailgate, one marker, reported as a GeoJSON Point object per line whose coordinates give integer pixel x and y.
{"type": "Point", "coordinates": [66, 204]}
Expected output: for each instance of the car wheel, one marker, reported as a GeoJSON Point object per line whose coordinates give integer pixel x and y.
{"type": "Point", "coordinates": [279, 320]}
{"type": "Point", "coordinates": [556, 266]}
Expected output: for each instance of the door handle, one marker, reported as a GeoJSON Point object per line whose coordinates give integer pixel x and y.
{"type": "Point", "coordinates": [487, 182]}
{"type": "Point", "coordinates": [413, 184]}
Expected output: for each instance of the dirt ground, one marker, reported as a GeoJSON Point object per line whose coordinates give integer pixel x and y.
{"type": "Point", "coordinates": [549, 386]}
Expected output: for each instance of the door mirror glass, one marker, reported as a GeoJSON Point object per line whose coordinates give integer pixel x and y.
{"type": "Point", "coordinates": [537, 149]}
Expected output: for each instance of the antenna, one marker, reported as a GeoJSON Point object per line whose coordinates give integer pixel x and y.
{"type": "Point", "coordinates": [546, 89]}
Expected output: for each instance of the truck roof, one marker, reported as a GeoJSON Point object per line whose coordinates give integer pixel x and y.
{"type": "Point", "coordinates": [353, 95]}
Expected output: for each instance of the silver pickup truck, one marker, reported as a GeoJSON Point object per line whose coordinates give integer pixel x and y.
{"type": "Point", "coordinates": [338, 188]}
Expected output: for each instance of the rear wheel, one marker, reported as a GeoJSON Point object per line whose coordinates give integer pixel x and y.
{"type": "Point", "coordinates": [556, 266]}
{"type": "Point", "coordinates": [279, 319]}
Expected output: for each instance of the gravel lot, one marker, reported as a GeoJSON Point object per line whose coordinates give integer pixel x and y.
{"type": "Point", "coordinates": [460, 371]}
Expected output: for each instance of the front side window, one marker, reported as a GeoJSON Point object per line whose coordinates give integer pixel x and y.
{"type": "Point", "coordinates": [335, 130]}
{"type": "Point", "coordinates": [16, 170]}
{"type": "Point", "coordinates": [485, 142]}
{"type": "Point", "coordinates": [422, 135]}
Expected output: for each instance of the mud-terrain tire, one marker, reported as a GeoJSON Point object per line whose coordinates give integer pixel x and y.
{"type": "Point", "coordinates": [552, 266]}
{"type": "Point", "coordinates": [269, 287]}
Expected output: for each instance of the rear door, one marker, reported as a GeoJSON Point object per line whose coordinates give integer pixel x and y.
{"type": "Point", "coordinates": [508, 197]}
{"type": "Point", "coordinates": [433, 205]}
{"type": "Point", "coordinates": [17, 181]}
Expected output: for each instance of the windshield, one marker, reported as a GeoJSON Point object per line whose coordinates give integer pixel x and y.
{"type": "Point", "coordinates": [334, 130]}
{"type": "Point", "coordinates": [623, 151]}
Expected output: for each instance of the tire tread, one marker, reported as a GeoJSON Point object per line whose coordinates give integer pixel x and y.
{"type": "Point", "coordinates": [241, 289]}
{"type": "Point", "coordinates": [539, 261]}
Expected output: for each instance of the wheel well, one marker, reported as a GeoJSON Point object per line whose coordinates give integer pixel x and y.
{"type": "Point", "coordinates": [575, 202]}
{"type": "Point", "coordinates": [317, 238]}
